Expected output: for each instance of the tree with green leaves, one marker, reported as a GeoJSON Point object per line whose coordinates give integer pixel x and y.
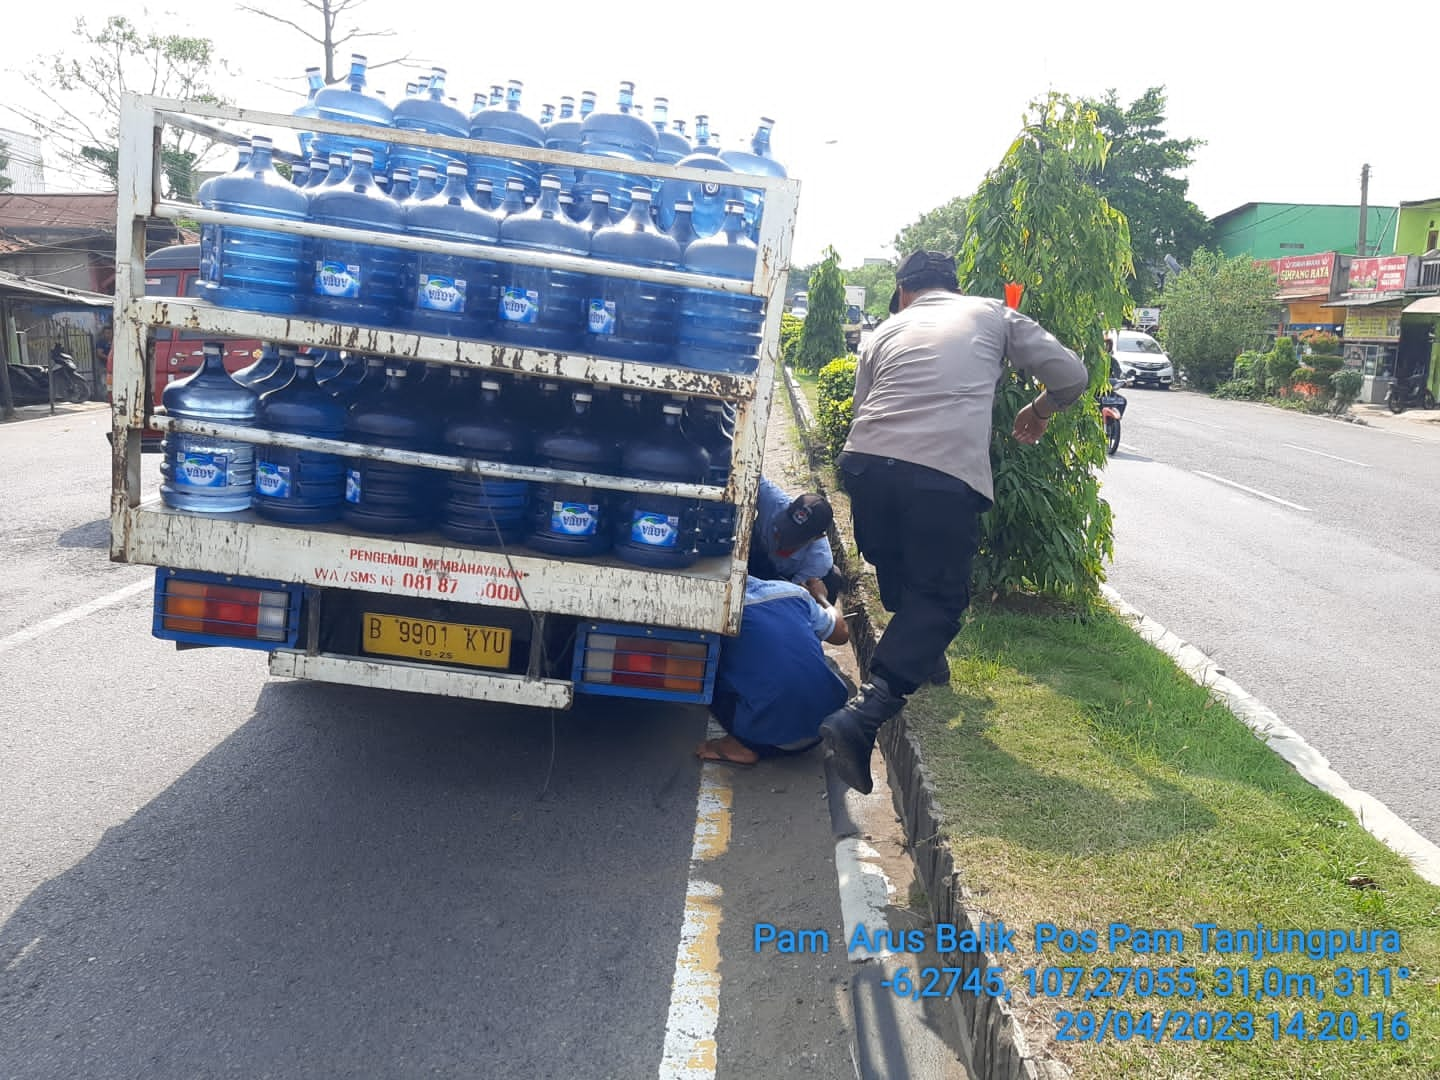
{"type": "Point", "coordinates": [878, 281]}
{"type": "Point", "coordinates": [84, 86]}
{"type": "Point", "coordinates": [823, 336]}
{"type": "Point", "coordinates": [941, 229]}
{"type": "Point", "coordinates": [1140, 178]}
{"type": "Point", "coordinates": [1215, 309]}
{"type": "Point", "coordinates": [5, 182]}
{"type": "Point", "coordinates": [1039, 220]}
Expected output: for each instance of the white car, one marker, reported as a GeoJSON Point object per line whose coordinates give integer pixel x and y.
{"type": "Point", "coordinates": [1142, 359]}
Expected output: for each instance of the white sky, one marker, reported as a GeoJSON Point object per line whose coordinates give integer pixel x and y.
{"type": "Point", "coordinates": [923, 97]}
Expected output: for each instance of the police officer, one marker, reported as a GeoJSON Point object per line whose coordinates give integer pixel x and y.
{"type": "Point", "coordinates": [917, 469]}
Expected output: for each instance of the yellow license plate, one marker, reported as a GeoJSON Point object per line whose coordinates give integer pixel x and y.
{"type": "Point", "coordinates": [436, 642]}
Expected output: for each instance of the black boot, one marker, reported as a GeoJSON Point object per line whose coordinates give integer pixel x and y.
{"type": "Point", "coordinates": [848, 734]}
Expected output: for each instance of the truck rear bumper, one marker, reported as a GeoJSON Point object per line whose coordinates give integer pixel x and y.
{"type": "Point", "coordinates": [422, 679]}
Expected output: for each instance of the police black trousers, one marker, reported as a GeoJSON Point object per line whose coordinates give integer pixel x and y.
{"type": "Point", "coordinates": [920, 529]}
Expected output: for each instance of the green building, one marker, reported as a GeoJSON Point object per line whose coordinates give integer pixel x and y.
{"type": "Point", "coordinates": [1419, 228]}
{"type": "Point", "coordinates": [1275, 230]}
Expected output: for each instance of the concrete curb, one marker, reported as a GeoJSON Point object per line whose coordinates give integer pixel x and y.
{"type": "Point", "coordinates": [993, 1045]}
{"type": "Point", "coordinates": [1374, 816]}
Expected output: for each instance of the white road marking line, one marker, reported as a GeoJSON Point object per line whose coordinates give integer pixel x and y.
{"type": "Point", "coordinates": [864, 893]}
{"type": "Point", "coordinates": [1253, 491]}
{"type": "Point", "coordinates": [1127, 446]}
{"type": "Point", "coordinates": [1375, 817]}
{"type": "Point", "coordinates": [1322, 453]}
{"type": "Point", "coordinates": [54, 622]}
{"type": "Point", "coordinates": [13, 964]}
{"type": "Point", "coordinates": [690, 1052]}
{"type": "Point", "coordinates": [1198, 423]}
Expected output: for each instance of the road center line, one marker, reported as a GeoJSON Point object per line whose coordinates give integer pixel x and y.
{"type": "Point", "coordinates": [690, 1052]}
{"type": "Point", "coordinates": [54, 622]}
{"type": "Point", "coordinates": [1198, 423]}
{"type": "Point", "coordinates": [1322, 453]}
{"type": "Point", "coordinates": [1253, 491]}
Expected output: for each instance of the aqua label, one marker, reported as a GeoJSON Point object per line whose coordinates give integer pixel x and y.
{"type": "Point", "coordinates": [519, 305]}
{"type": "Point", "coordinates": [655, 530]}
{"type": "Point", "coordinates": [441, 293]}
{"type": "Point", "coordinates": [202, 470]}
{"type": "Point", "coordinates": [575, 519]}
{"type": "Point", "coordinates": [337, 279]}
{"type": "Point", "coordinates": [272, 480]}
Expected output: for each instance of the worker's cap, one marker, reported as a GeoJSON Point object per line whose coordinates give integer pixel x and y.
{"type": "Point", "coordinates": [924, 270]}
{"type": "Point", "coordinates": [807, 518]}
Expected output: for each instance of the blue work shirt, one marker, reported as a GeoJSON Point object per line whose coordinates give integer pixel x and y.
{"type": "Point", "coordinates": [814, 560]}
{"type": "Point", "coordinates": [773, 684]}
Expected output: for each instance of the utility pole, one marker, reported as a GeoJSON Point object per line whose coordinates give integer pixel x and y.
{"type": "Point", "coordinates": [1364, 208]}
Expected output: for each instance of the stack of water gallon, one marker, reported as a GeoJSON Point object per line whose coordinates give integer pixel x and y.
{"type": "Point", "coordinates": [483, 202]}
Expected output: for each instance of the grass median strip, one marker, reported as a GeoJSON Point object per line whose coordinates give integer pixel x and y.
{"type": "Point", "coordinates": [1087, 782]}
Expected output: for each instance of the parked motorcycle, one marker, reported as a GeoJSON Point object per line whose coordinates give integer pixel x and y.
{"type": "Point", "coordinates": [1112, 407]}
{"type": "Point", "coordinates": [1410, 392]}
{"type": "Point", "coordinates": [30, 384]}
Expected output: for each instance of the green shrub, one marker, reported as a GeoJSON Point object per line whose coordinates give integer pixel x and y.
{"type": "Point", "coordinates": [790, 330]}
{"type": "Point", "coordinates": [1325, 366]}
{"type": "Point", "coordinates": [1346, 384]}
{"type": "Point", "coordinates": [822, 332]}
{"type": "Point", "coordinates": [836, 403]}
{"type": "Point", "coordinates": [1238, 389]}
{"type": "Point", "coordinates": [1280, 364]}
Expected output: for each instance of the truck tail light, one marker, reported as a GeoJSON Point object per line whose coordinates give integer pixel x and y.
{"type": "Point", "coordinates": [212, 609]}
{"type": "Point", "coordinates": [637, 661]}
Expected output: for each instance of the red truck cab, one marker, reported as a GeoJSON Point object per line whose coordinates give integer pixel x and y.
{"type": "Point", "coordinates": [175, 271]}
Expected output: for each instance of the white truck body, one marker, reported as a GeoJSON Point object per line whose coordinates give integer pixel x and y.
{"type": "Point", "coordinates": [323, 561]}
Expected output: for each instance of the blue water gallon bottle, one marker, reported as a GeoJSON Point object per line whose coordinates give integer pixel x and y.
{"type": "Point", "coordinates": [563, 133]}
{"type": "Point", "coordinates": [706, 199]}
{"type": "Point", "coordinates": [630, 319]}
{"type": "Point", "coordinates": [708, 427]}
{"type": "Point", "coordinates": [505, 123]}
{"type": "Point", "coordinates": [325, 172]}
{"type": "Point", "coordinates": [483, 509]}
{"type": "Point", "coordinates": [427, 111]}
{"type": "Point", "coordinates": [199, 472]}
{"type": "Point", "coordinates": [721, 331]}
{"type": "Point", "coordinates": [427, 184]}
{"type": "Point", "coordinates": [299, 175]}
{"type": "Point", "coordinates": [672, 145]}
{"type": "Point", "coordinates": [569, 519]}
{"type": "Point", "coordinates": [660, 530]}
{"type": "Point", "coordinates": [682, 228]}
{"type": "Point", "coordinates": [355, 281]}
{"type": "Point", "coordinates": [622, 135]}
{"type": "Point", "coordinates": [315, 82]}
{"type": "Point", "coordinates": [281, 374]}
{"type": "Point", "coordinates": [372, 382]}
{"type": "Point", "coordinates": [540, 308]}
{"type": "Point", "coordinates": [449, 294]}
{"type": "Point", "coordinates": [400, 186]}
{"type": "Point", "coordinates": [209, 234]}
{"type": "Point", "coordinates": [381, 496]}
{"type": "Point", "coordinates": [600, 215]}
{"type": "Point", "coordinates": [265, 365]}
{"type": "Point", "coordinates": [301, 487]}
{"type": "Point", "coordinates": [758, 162]}
{"type": "Point", "coordinates": [255, 270]}
{"type": "Point", "coordinates": [514, 201]}
{"type": "Point", "coordinates": [342, 375]}
{"type": "Point", "coordinates": [352, 103]}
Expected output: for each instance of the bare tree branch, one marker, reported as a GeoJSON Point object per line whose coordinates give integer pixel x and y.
{"type": "Point", "coordinates": [276, 18]}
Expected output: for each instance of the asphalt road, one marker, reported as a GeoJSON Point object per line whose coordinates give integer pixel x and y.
{"type": "Point", "coordinates": [209, 872]}
{"type": "Point", "coordinates": [1317, 590]}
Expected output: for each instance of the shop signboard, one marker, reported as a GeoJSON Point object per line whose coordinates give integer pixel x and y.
{"type": "Point", "coordinates": [1303, 275]}
{"type": "Point", "coordinates": [1372, 324]}
{"type": "Point", "coordinates": [1379, 275]}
